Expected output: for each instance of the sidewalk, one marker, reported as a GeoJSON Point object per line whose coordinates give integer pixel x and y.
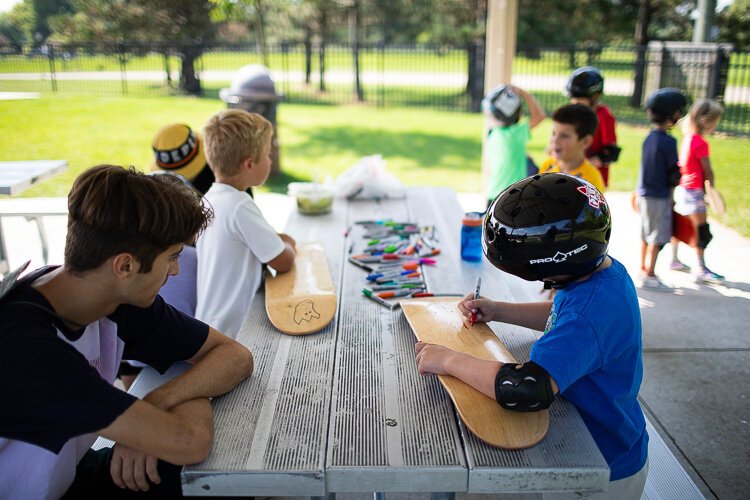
{"type": "Point", "coordinates": [696, 349]}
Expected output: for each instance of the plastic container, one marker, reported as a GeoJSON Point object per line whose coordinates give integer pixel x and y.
{"type": "Point", "coordinates": [471, 237]}
{"type": "Point", "coordinates": [312, 198]}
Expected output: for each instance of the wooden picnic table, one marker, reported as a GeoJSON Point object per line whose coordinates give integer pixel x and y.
{"type": "Point", "coordinates": [344, 410]}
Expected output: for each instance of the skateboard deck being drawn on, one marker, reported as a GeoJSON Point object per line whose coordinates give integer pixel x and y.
{"type": "Point", "coordinates": [438, 321]}
{"type": "Point", "coordinates": [302, 300]}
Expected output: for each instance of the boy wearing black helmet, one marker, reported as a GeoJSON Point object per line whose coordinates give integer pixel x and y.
{"type": "Point", "coordinates": [586, 86]}
{"type": "Point", "coordinates": [505, 153]}
{"type": "Point", "coordinates": [658, 176]}
{"type": "Point", "coordinates": [556, 228]}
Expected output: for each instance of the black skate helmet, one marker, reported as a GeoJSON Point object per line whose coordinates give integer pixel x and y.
{"type": "Point", "coordinates": [665, 103]}
{"type": "Point", "coordinates": [503, 104]}
{"type": "Point", "coordinates": [547, 225]}
{"type": "Point", "coordinates": [585, 82]}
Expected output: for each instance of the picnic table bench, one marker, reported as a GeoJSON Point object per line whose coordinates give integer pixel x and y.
{"type": "Point", "coordinates": [344, 410]}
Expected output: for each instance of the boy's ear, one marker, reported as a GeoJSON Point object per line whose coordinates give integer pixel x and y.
{"type": "Point", "coordinates": [248, 163]}
{"type": "Point", "coordinates": [586, 141]}
{"type": "Point", "coordinates": [124, 265]}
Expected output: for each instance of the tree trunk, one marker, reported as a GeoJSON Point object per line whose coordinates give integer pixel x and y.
{"type": "Point", "coordinates": [260, 32]}
{"type": "Point", "coordinates": [323, 27]}
{"type": "Point", "coordinates": [641, 47]}
{"type": "Point", "coordinates": [354, 44]}
{"type": "Point", "coordinates": [189, 82]}
{"type": "Point", "coordinates": [308, 55]}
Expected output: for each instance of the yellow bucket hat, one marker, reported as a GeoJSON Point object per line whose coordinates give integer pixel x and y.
{"type": "Point", "coordinates": [178, 149]}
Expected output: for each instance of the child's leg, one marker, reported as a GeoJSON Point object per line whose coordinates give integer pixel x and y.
{"type": "Point", "coordinates": [676, 264]}
{"type": "Point", "coordinates": [652, 252]}
{"type": "Point", "coordinates": [699, 220]}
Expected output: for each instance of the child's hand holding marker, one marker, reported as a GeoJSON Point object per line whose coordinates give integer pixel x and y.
{"type": "Point", "coordinates": [482, 309]}
{"type": "Point", "coordinates": [473, 316]}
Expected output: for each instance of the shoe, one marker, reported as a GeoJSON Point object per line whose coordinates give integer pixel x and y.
{"type": "Point", "coordinates": [676, 265]}
{"type": "Point", "coordinates": [654, 284]}
{"type": "Point", "coordinates": [708, 276]}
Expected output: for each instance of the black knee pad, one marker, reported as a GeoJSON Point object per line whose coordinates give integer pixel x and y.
{"type": "Point", "coordinates": [704, 236]}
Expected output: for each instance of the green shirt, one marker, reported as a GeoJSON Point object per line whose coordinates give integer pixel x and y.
{"type": "Point", "coordinates": [506, 156]}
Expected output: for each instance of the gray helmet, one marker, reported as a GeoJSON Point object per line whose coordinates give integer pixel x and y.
{"type": "Point", "coordinates": [585, 82]}
{"type": "Point", "coordinates": [503, 104]}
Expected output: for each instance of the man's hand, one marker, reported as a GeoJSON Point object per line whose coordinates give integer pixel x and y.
{"type": "Point", "coordinates": [132, 469]}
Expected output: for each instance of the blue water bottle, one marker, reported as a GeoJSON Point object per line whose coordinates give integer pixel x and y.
{"type": "Point", "coordinates": [471, 237]}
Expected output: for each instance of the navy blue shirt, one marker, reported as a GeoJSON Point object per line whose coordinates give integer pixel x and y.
{"type": "Point", "coordinates": [592, 348]}
{"type": "Point", "coordinates": [658, 156]}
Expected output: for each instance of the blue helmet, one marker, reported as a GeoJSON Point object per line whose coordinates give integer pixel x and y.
{"type": "Point", "coordinates": [585, 82]}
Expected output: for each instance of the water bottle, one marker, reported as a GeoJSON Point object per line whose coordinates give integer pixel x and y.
{"type": "Point", "coordinates": [471, 237]}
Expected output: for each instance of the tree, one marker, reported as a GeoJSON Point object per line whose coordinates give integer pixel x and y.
{"type": "Point", "coordinates": [734, 24]}
{"type": "Point", "coordinates": [144, 22]}
{"type": "Point", "coordinates": [44, 10]}
{"type": "Point", "coordinates": [17, 25]}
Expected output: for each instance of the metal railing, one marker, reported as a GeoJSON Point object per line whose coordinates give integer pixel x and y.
{"type": "Point", "coordinates": [439, 77]}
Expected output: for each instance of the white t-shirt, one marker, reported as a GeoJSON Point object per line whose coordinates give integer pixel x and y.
{"type": "Point", "coordinates": [231, 252]}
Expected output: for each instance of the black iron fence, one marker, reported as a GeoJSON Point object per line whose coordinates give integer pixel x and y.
{"type": "Point", "coordinates": [441, 77]}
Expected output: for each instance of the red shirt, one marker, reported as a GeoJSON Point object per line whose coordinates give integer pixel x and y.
{"type": "Point", "coordinates": [605, 133]}
{"type": "Point", "coordinates": [692, 151]}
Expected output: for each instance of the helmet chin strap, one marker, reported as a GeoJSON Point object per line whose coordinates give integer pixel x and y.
{"type": "Point", "coordinates": [548, 285]}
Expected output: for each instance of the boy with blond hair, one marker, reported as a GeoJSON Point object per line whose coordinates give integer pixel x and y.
{"type": "Point", "coordinates": [573, 128]}
{"type": "Point", "coordinates": [232, 252]}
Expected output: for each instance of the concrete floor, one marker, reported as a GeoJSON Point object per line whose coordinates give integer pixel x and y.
{"type": "Point", "coordinates": [696, 345]}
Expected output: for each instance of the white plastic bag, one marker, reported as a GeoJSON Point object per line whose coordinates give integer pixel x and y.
{"type": "Point", "coordinates": [368, 179]}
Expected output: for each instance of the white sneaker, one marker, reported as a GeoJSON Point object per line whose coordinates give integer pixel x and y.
{"type": "Point", "coordinates": [654, 284]}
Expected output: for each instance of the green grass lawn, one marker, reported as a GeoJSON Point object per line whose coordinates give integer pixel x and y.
{"type": "Point", "coordinates": [423, 147]}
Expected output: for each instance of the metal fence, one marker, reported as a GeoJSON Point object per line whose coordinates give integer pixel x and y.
{"type": "Point", "coordinates": [440, 77]}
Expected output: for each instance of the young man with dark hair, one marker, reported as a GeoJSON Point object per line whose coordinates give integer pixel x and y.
{"type": "Point", "coordinates": [64, 330]}
{"type": "Point", "coordinates": [573, 128]}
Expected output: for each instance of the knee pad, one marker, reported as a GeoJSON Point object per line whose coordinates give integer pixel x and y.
{"type": "Point", "coordinates": [523, 388]}
{"type": "Point", "coordinates": [704, 236]}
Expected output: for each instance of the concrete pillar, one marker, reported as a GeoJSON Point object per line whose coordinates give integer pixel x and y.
{"type": "Point", "coordinates": [500, 48]}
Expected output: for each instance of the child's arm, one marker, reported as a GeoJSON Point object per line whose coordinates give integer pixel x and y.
{"type": "Point", "coordinates": [529, 314]}
{"type": "Point", "coordinates": [478, 373]}
{"type": "Point", "coordinates": [708, 173]}
{"type": "Point", "coordinates": [285, 260]}
{"type": "Point", "coordinates": [536, 113]}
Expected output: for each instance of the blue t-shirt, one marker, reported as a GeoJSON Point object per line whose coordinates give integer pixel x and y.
{"type": "Point", "coordinates": [659, 154]}
{"type": "Point", "coordinates": [592, 349]}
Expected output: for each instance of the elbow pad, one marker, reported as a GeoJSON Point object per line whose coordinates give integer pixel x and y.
{"type": "Point", "coordinates": [609, 153]}
{"type": "Point", "coordinates": [525, 387]}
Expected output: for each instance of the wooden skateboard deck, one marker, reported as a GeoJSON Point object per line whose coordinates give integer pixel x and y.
{"type": "Point", "coordinates": [302, 300]}
{"type": "Point", "coordinates": [438, 321]}
{"type": "Point", "coordinates": [715, 199]}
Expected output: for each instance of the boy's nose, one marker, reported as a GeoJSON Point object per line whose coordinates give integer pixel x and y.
{"type": "Point", "coordinates": [174, 269]}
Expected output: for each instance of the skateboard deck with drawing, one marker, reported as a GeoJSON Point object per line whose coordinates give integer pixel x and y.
{"type": "Point", "coordinates": [302, 300]}
{"type": "Point", "coordinates": [438, 321]}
